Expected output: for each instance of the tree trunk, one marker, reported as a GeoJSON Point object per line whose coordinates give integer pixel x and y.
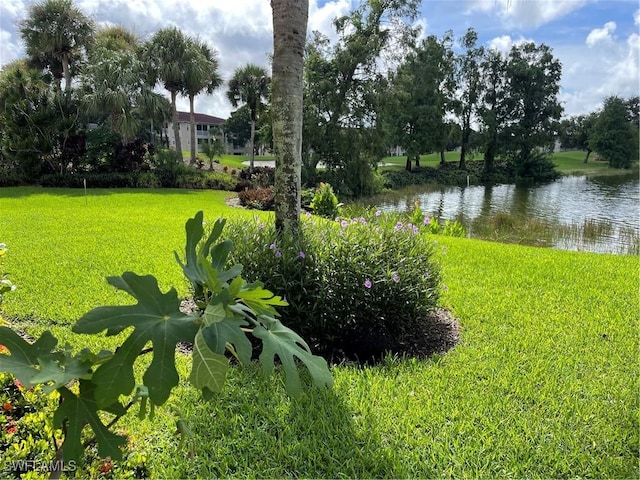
{"type": "Point", "coordinates": [194, 142]}
{"type": "Point", "coordinates": [67, 73]}
{"type": "Point", "coordinates": [463, 152]}
{"type": "Point", "coordinates": [176, 126]}
{"type": "Point", "coordinates": [408, 165]}
{"type": "Point", "coordinates": [253, 136]}
{"type": "Point", "coordinates": [442, 160]}
{"type": "Point", "coordinates": [586, 158]}
{"type": "Point", "coordinates": [289, 36]}
{"type": "Point", "coordinates": [417, 160]}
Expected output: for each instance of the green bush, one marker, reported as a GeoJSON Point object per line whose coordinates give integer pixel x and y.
{"type": "Point", "coordinates": [94, 180]}
{"type": "Point", "coordinates": [325, 202]}
{"type": "Point", "coordinates": [148, 180]}
{"type": "Point", "coordinates": [356, 288]}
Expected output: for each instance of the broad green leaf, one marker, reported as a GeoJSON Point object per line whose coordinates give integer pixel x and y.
{"type": "Point", "coordinates": [23, 358]}
{"type": "Point", "coordinates": [115, 377]}
{"type": "Point", "coordinates": [56, 373]}
{"type": "Point", "coordinates": [193, 267]}
{"type": "Point", "coordinates": [260, 300]}
{"type": "Point", "coordinates": [209, 368]}
{"type": "Point", "coordinates": [229, 331]}
{"type": "Point", "coordinates": [79, 411]}
{"type": "Point", "coordinates": [282, 342]}
{"type": "Point", "coordinates": [156, 317]}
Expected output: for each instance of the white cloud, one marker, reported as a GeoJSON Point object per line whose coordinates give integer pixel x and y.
{"type": "Point", "coordinates": [528, 14]}
{"type": "Point", "coordinates": [504, 43]}
{"type": "Point", "coordinates": [591, 74]}
{"type": "Point", "coordinates": [636, 18]}
{"type": "Point", "coordinates": [604, 34]}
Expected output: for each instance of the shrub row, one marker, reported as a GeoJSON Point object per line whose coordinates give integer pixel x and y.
{"type": "Point", "coordinates": [149, 179]}
{"type": "Point", "coordinates": [356, 288]}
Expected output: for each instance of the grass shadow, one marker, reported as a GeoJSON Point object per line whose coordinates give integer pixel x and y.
{"type": "Point", "coordinates": [254, 430]}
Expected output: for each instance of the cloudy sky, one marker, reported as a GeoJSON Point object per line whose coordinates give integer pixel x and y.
{"type": "Point", "coordinates": [597, 41]}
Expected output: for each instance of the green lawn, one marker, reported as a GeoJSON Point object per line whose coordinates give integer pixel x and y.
{"type": "Point", "coordinates": [568, 163]}
{"type": "Point", "coordinates": [543, 384]}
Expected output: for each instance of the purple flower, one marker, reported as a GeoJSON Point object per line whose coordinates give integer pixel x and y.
{"type": "Point", "coordinates": [415, 230]}
{"type": "Point", "coordinates": [367, 283]}
{"type": "Point", "coordinates": [272, 246]}
{"type": "Point", "coordinates": [344, 223]}
{"type": "Point", "coordinates": [302, 254]}
{"type": "Point", "coordinates": [398, 227]}
{"type": "Point", "coordinates": [427, 220]}
{"type": "Point", "coordinates": [278, 253]}
{"type": "Point", "coordinates": [396, 278]}
{"type": "Point", "coordinates": [363, 221]}
{"type": "Point", "coordinates": [378, 213]}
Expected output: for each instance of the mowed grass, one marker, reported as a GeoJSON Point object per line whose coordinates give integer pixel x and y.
{"type": "Point", "coordinates": [62, 244]}
{"type": "Point", "coordinates": [567, 163]}
{"type": "Point", "coordinates": [543, 383]}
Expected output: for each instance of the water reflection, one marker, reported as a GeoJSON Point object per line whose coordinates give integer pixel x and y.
{"type": "Point", "coordinates": [607, 208]}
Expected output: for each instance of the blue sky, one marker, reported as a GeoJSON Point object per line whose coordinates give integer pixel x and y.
{"type": "Point", "coordinates": [597, 41]}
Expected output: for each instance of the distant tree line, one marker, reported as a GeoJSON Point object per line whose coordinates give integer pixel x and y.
{"type": "Point", "coordinates": [84, 99]}
{"type": "Point", "coordinates": [612, 132]}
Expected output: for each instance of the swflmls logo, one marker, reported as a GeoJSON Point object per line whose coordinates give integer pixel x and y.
{"type": "Point", "coordinates": [38, 466]}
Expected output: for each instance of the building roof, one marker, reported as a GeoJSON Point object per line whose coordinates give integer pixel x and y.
{"type": "Point", "coordinates": [200, 118]}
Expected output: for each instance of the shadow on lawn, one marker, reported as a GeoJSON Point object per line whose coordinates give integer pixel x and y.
{"type": "Point", "coordinates": [259, 432]}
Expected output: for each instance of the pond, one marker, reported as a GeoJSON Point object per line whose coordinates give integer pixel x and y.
{"type": "Point", "coordinates": [599, 213]}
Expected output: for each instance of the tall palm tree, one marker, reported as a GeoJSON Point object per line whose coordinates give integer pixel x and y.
{"type": "Point", "coordinates": [289, 35]}
{"type": "Point", "coordinates": [55, 32]}
{"type": "Point", "coordinates": [164, 55]}
{"type": "Point", "coordinates": [200, 74]}
{"type": "Point", "coordinates": [249, 85]}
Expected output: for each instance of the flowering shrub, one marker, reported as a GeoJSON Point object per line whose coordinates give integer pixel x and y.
{"type": "Point", "coordinates": [356, 288]}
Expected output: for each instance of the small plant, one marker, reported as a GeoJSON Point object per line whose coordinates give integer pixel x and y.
{"type": "Point", "coordinates": [257, 198]}
{"type": "Point", "coordinates": [92, 385]}
{"type": "Point", "coordinates": [325, 203]}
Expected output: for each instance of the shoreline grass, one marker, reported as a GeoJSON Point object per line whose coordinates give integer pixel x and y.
{"type": "Point", "coordinates": [543, 384]}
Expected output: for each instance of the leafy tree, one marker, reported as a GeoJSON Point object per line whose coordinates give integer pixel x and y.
{"type": "Point", "coordinates": [289, 35]}
{"type": "Point", "coordinates": [633, 109]}
{"type": "Point", "coordinates": [469, 83]}
{"type": "Point", "coordinates": [344, 91]}
{"type": "Point", "coordinates": [492, 110]}
{"type": "Point", "coordinates": [575, 133]}
{"type": "Point", "coordinates": [614, 137]}
{"type": "Point", "coordinates": [55, 33]}
{"type": "Point", "coordinates": [422, 91]}
{"type": "Point", "coordinates": [249, 85]}
{"type": "Point", "coordinates": [200, 75]}
{"type": "Point", "coordinates": [532, 108]}
{"type": "Point", "coordinates": [164, 56]}
{"type": "Point", "coordinates": [238, 126]}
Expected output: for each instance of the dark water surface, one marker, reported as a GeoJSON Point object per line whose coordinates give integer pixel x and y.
{"type": "Point", "coordinates": [599, 213]}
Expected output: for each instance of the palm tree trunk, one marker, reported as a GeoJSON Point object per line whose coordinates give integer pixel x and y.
{"type": "Point", "coordinates": [67, 73]}
{"type": "Point", "coordinates": [289, 35]}
{"type": "Point", "coordinates": [586, 158]}
{"type": "Point", "coordinates": [192, 122]}
{"type": "Point", "coordinates": [174, 120]}
{"type": "Point", "coordinates": [253, 136]}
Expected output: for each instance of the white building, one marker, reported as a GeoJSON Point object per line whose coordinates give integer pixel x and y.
{"type": "Point", "coordinates": [207, 126]}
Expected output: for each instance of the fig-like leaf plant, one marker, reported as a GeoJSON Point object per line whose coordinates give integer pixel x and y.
{"type": "Point", "coordinates": [92, 385]}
